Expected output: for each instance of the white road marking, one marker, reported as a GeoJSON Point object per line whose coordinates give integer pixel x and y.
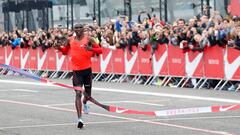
{"type": "Point", "coordinates": [25, 90]}
{"type": "Point", "coordinates": [63, 104]}
{"type": "Point", "coordinates": [64, 124]}
{"type": "Point", "coordinates": [111, 102]}
{"type": "Point", "coordinates": [4, 90]}
{"type": "Point", "coordinates": [138, 92]}
{"type": "Point", "coordinates": [144, 103]}
{"type": "Point", "coordinates": [25, 120]}
{"type": "Point", "coordinates": [167, 95]}
{"type": "Point", "coordinates": [191, 118]}
{"type": "Point", "coordinates": [122, 118]}
{"type": "Point", "coordinates": [28, 83]}
{"type": "Point", "coordinates": [110, 122]}
{"type": "Point", "coordinates": [134, 102]}
{"type": "Point", "coordinates": [20, 90]}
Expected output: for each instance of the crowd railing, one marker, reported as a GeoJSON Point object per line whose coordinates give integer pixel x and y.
{"type": "Point", "coordinates": [168, 62]}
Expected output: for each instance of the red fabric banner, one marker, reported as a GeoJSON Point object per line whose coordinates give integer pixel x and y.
{"type": "Point", "coordinates": [145, 63]}
{"type": "Point", "coordinates": [106, 61]}
{"type": "Point", "coordinates": [194, 64]}
{"type": "Point", "coordinates": [2, 55]}
{"type": "Point", "coordinates": [33, 59]}
{"type": "Point", "coordinates": [232, 64]}
{"type": "Point", "coordinates": [213, 62]}
{"type": "Point", "coordinates": [8, 55]}
{"type": "Point", "coordinates": [176, 61]}
{"type": "Point", "coordinates": [118, 61]}
{"type": "Point", "coordinates": [61, 62]}
{"type": "Point", "coordinates": [51, 59]}
{"type": "Point", "coordinates": [159, 59]}
{"type": "Point", "coordinates": [96, 64]}
{"type": "Point", "coordinates": [42, 59]}
{"type": "Point", "coordinates": [24, 58]}
{"type": "Point", "coordinates": [131, 61]}
{"type": "Point", "coordinates": [16, 57]}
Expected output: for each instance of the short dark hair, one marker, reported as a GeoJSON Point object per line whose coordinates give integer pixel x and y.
{"type": "Point", "coordinates": [78, 25]}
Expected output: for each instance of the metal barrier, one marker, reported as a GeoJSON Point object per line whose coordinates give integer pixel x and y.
{"type": "Point", "coordinates": [168, 62]}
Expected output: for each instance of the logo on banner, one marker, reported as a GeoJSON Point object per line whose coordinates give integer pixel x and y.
{"type": "Point", "coordinates": [192, 66]}
{"type": "Point", "coordinates": [104, 63]}
{"type": "Point", "coordinates": [119, 110]}
{"type": "Point", "coordinates": [145, 60]}
{"type": "Point", "coordinates": [213, 61]}
{"type": "Point", "coordinates": [157, 65]}
{"type": "Point", "coordinates": [230, 69]}
{"type": "Point", "coordinates": [41, 59]}
{"type": "Point", "coordinates": [176, 61]}
{"type": "Point", "coordinates": [223, 109]}
{"type": "Point", "coordinates": [119, 60]}
{"type": "Point", "coordinates": [94, 59]}
{"type": "Point", "coordinates": [59, 61]}
{"type": "Point", "coordinates": [24, 58]}
{"type": "Point", "coordinates": [129, 63]}
{"type": "Point", "coordinates": [9, 57]}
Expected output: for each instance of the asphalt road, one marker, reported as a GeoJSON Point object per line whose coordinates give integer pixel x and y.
{"type": "Point", "coordinates": [28, 107]}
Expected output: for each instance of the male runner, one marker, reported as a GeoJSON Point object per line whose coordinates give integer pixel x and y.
{"type": "Point", "coordinates": [82, 49]}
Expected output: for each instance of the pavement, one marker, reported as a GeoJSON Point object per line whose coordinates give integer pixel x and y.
{"type": "Point", "coordinates": [28, 107]}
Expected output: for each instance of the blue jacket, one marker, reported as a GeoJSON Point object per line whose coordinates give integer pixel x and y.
{"type": "Point", "coordinates": [118, 26]}
{"type": "Point", "coordinates": [16, 42]}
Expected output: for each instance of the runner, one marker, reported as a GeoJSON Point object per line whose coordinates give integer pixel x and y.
{"type": "Point", "coordinates": [82, 49]}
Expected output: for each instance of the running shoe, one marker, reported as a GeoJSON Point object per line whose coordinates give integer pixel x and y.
{"type": "Point", "coordinates": [85, 109]}
{"type": "Point", "coordinates": [80, 124]}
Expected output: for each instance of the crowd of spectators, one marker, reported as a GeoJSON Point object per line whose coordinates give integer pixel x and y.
{"type": "Point", "coordinates": [121, 33]}
{"type": "Point", "coordinates": [193, 34]}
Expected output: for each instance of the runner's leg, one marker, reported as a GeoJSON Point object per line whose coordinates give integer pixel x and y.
{"type": "Point", "coordinates": [78, 81]}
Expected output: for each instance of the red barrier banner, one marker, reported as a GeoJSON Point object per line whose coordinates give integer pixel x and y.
{"type": "Point", "coordinates": [176, 61]}
{"type": "Point", "coordinates": [51, 59]}
{"type": "Point", "coordinates": [145, 63]}
{"type": "Point", "coordinates": [96, 64]}
{"type": "Point", "coordinates": [131, 61]}
{"type": "Point", "coordinates": [2, 55]}
{"type": "Point", "coordinates": [8, 55]}
{"type": "Point", "coordinates": [194, 64]}
{"type": "Point", "coordinates": [213, 62]}
{"type": "Point", "coordinates": [118, 61]}
{"type": "Point", "coordinates": [61, 62]}
{"type": "Point", "coordinates": [68, 60]}
{"type": "Point", "coordinates": [33, 59]}
{"type": "Point", "coordinates": [159, 59]}
{"type": "Point", "coordinates": [106, 61]}
{"type": "Point", "coordinates": [24, 58]}
{"type": "Point", "coordinates": [42, 59]}
{"type": "Point", "coordinates": [69, 65]}
{"type": "Point", "coordinates": [232, 64]}
{"type": "Point", "coordinates": [16, 57]}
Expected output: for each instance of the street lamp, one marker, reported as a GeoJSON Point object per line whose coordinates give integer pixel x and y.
{"type": "Point", "coordinates": [94, 9]}
{"type": "Point", "coordinates": [8, 16]}
{"type": "Point", "coordinates": [67, 15]}
{"type": "Point", "coordinates": [99, 12]}
{"type": "Point", "coordinates": [208, 9]}
{"type": "Point", "coordinates": [128, 6]}
{"type": "Point", "coordinates": [163, 10]}
{"type": "Point", "coordinates": [72, 13]}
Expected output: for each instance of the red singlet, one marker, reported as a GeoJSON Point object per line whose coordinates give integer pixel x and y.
{"type": "Point", "coordinates": [80, 57]}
